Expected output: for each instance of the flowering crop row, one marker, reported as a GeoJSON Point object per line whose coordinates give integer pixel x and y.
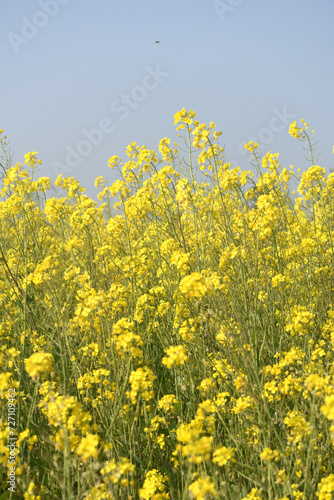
{"type": "Point", "coordinates": [177, 343]}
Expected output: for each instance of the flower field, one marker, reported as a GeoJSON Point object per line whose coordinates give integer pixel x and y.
{"type": "Point", "coordinates": [174, 341]}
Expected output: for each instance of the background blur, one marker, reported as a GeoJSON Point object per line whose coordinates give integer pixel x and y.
{"type": "Point", "coordinates": [81, 79]}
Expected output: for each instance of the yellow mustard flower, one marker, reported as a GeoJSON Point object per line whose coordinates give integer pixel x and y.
{"type": "Point", "coordinates": [176, 356]}
{"type": "Point", "coordinates": [201, 487]}
{"type": "Point", "coordinates": [221, 456]}
{"type": "Point", "coordinates": [39, 363]}
{"type": "Point", "coordinates": [326, 488]}
{"type": "Point", "coordinates": [87, 447]}
{"type": "Point", "coordinates": [153, 486]}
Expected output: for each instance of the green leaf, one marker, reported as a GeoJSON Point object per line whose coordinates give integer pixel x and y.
{"type": "Point", "coordinates": [4, 495]}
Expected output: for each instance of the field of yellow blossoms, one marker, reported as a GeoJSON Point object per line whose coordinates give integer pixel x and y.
{"type": "Point", "coordinates": [175, 340]}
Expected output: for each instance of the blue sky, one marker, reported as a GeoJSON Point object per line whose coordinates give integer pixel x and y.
{"type": "Point", "coordinates": [81, 79]}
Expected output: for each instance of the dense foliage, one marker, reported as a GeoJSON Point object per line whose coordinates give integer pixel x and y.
{"type": "Point", "coordinates": [178, 344]}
